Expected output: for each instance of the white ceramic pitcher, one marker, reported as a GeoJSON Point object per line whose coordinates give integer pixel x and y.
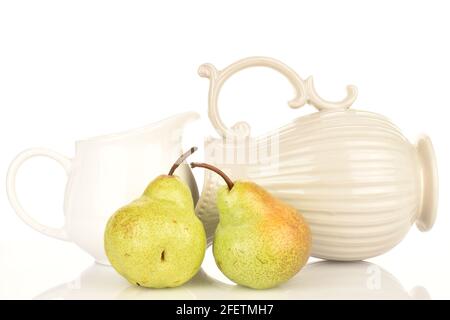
{"type": "Point", "coordinates": [356, 179]}
{"type": "Point", "coordinates": [106, 173]}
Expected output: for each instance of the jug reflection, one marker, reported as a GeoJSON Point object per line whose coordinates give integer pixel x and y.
{"type": "Point", "coordinates": [351, 280]}
{"type": "Point", "coordinates": [319, 280]}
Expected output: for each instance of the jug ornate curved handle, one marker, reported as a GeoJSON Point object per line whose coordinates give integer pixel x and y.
{"type": "Point", "coordinates": [305, 91]}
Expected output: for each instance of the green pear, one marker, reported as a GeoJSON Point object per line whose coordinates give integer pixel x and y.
{"type": "Point", "coordinates": [260, 241]}
{"type": "Point", "coordinates": [157, 241]}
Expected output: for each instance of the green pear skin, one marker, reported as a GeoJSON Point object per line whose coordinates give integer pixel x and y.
{"type": "Point", "coordinates": [157, 241]}
{"type": "Point", "coordinates": [260, 242]}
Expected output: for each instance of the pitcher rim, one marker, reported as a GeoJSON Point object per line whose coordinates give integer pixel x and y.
{"type": "Point", "coordinates": [188, 116]}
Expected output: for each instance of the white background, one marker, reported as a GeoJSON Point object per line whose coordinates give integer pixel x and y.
{"type": "Point", "coordinates": [74, 69]}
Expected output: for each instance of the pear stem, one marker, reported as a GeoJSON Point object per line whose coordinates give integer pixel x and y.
{"type": "Point", "coordinates": [181, 159]}
{"type": "Point", "coordinates": [228, 181]}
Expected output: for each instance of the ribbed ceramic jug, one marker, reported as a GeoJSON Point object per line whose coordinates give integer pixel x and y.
{"type": "Point", "coordinates": [352, 174]}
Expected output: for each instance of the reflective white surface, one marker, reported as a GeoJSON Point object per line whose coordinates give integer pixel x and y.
{"type": "Point", "coordinates": [73, 275]}
{"type": "Point", "coordinates": [319, 280]}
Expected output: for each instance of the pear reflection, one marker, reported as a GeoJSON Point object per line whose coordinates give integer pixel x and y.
{"type": "Point", "coordinates": [102, 282]}
{"type": "Point", "coordinates": [330, 280]}
{"type": "Point", "coordinates": [319, 280]}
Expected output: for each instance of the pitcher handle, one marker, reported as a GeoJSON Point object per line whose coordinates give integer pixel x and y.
{"type": "Point", "coordinates": [305, 91]}
{"type": "Point", "coordinates": [59, 233]}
